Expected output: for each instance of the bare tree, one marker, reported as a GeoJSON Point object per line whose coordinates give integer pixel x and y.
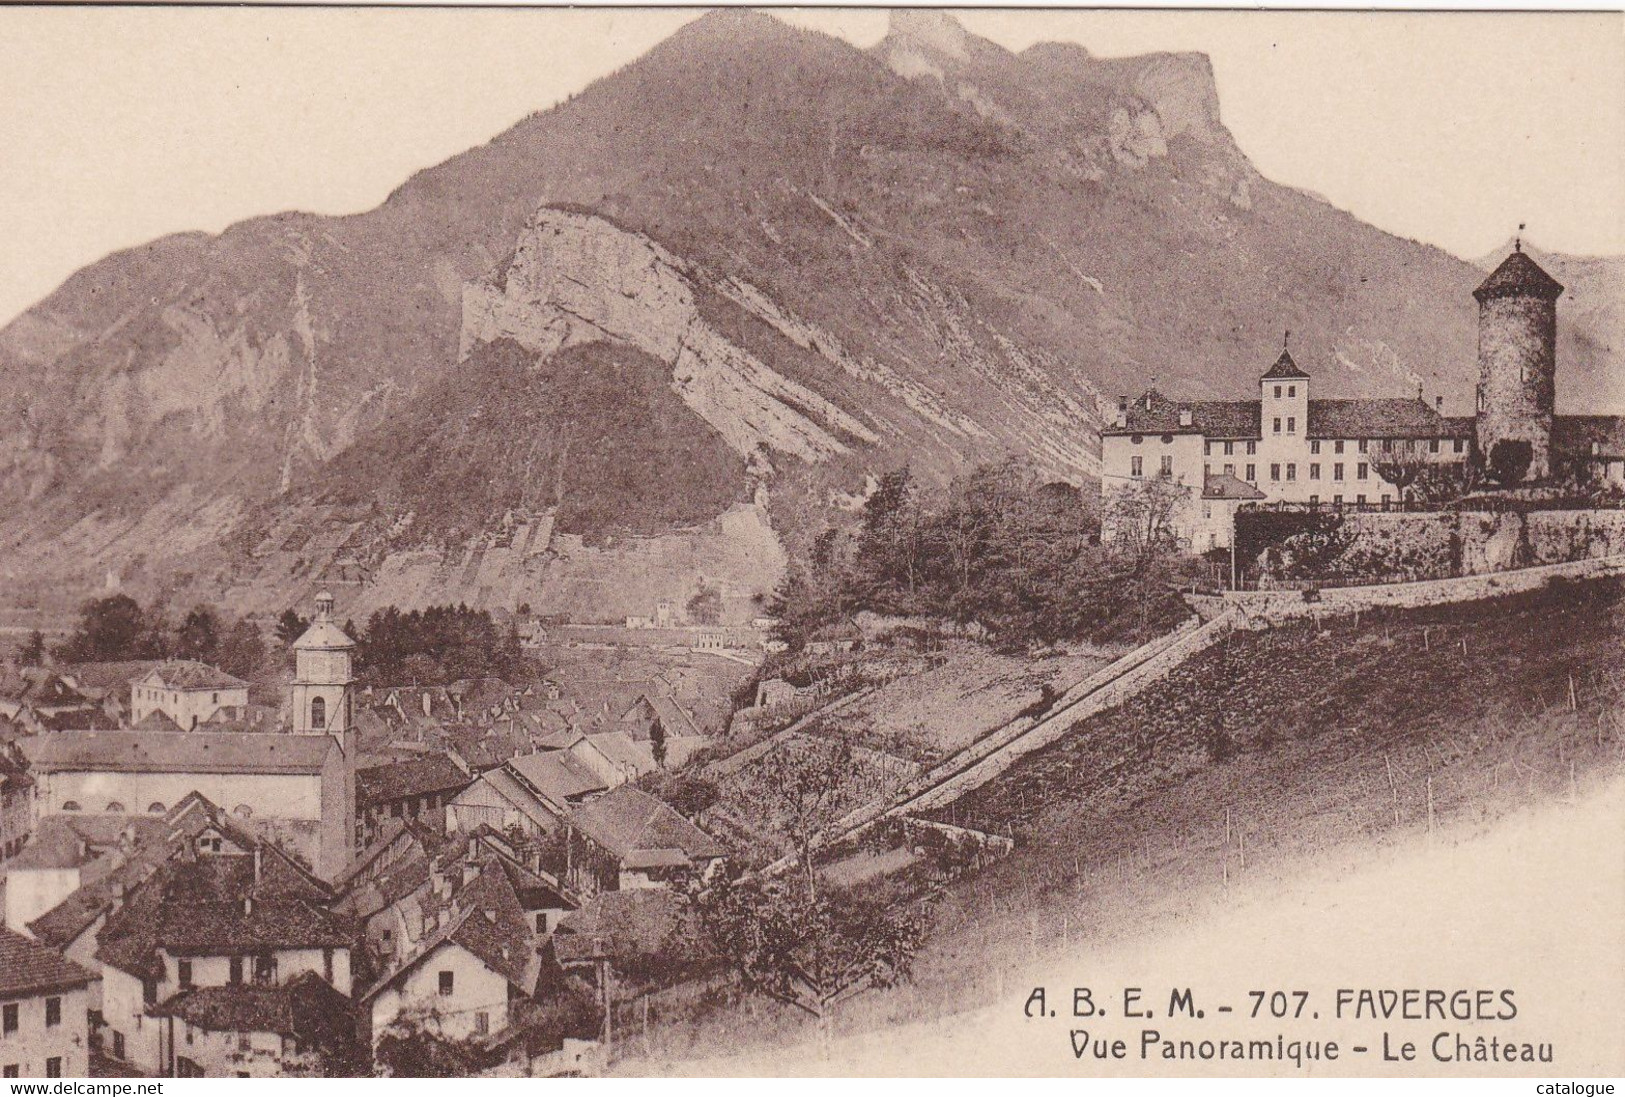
{"type": "Point", "coordinates": [1143, 516]}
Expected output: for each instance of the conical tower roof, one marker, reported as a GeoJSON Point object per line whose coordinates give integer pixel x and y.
{"type": "Point", "coordinates": [1519, 276]}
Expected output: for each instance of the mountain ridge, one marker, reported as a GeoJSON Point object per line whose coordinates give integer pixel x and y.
{"type": "Point", "coordinates": [970, 260]}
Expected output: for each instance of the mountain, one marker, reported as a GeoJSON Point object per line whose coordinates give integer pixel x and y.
{"type": "Point", "coordinates": [789, 263]}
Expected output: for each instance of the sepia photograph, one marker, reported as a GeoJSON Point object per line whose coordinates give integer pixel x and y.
{"type": "Point", "coordinates": [786, 542]}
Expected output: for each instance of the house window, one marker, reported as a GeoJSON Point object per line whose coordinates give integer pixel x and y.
{"type": "Point", "coordinates": [1275, 471]}
{"type": "Point", "coordinates": [1137, 439]}
{"type": "Point", "coordinates": [1363, 443]}
{"type": "Point", "coordinates": [1314, 500]}
{"type": "Point", "coordinates": [1337, 446]}
{"type": "Point", "coordinates": [447, 982]}
{"type": "Point", "coordinates": [244, 1042]}
{"type": "Point", "coordinates": [482, 1022]}
{"type": "Point", "coordinates": [1387, 445]}
{"type": "Point", "coordinates": [1229, 470]}
{"type": "Point", "coordinates": [11, 1070]}
{"type": "Point", "coordinates": [53, 1067]}
{"type": "Point", "coordinates": [1461, 445]}
{"type": "Point", "coordinates": [1314, 446]}
{"type": "Point", "coordinates": [1207, 449]}
{"type": "Point", "coordinates": [1291, 471]}
{"type": "Point", "coordinates": [1314, 470]}
{"type": "Point", "coordinates": [1136, 468]}
{"type": "Point", "coordinates": [1277, 424]}
{"type": "Point", "coordinates": [1252, 449]}
{"type": "Point", "coordinates": [264, 969]}
{"type": "Point", "coordinates": [1337, 470]}
{"type": "Point", "coordinates": [236, 970]}
{"type": "Point", "coordinates": [1361, 470]}
{"type": "Point", "coordinates": [1229, 449]}
{"type": "Point", "coordinates": [1277, 392]}
{"type": "Point", "coordinates": [1292, 390]}
{"type": "Point", "coordinates": [1433, 445]}
{"type": "Point", "coordinates": [327, 964]}
{"type": "Point", "coordinates": [1207, 471]}
{"type": "Point", "coordinates": [1291, 424]}
{"type": "Point", "coordinates": [1360, 499]}
{"type": "Point", "coordinates": [1252, 474]}
{"type": "Point", "coordinates": [1337, 500]}
{"type": "Point", "coordinates": [149, 992]}
{"type": "Point", "coordinates": [183, 970]}
{"type": "Point", "coordinates": [118, 1044]}
{"type": "Point", "coordinates": [53, 1012]}
{"type": "Point", "coordinates": [8, 1018]}
{"type": "Point", "coordinates": [1167, 465]}
{"type": "Point", "coordinates": [318, 712]}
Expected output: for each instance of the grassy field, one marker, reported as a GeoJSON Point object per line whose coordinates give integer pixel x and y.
{"type": "Point", "coordinates": [1274, 754]}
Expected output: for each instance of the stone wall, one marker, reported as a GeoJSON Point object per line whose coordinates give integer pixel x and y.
{"type": "Point", "coordinates": [1395, 547]}
{"type": "Point", "coordinates": [1256, 609]}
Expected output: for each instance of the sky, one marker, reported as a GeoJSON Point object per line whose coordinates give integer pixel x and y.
{"type": "Point", "coordinates": [121, 125]}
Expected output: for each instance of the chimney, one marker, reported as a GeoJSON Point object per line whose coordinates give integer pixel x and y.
{"type": "Point", "coordinates": [428, 705]}
{"type": "Point", "coordinates": [1438, 404]}
{"type": "Point", "coordinates": [1184, 417]}
{"type": "Point", "coordinates": [248, 904]}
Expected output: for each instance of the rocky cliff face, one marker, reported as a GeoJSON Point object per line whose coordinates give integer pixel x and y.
{"type": "Point", "coordinates": [748, 271]}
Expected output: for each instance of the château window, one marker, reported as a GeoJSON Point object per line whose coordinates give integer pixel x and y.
{"type": "Point", "coordinates": [1337, 470]}
{"type": "Point", "coordinates": [1291, 391]}
{"type": "Point", "coordinates": [1314, 447]}
{"type": "Point", "coordinates": [1167, 468]}
{"type": "Point", "coordinates": [318, 712]}
{"type": "Point", "coordinates": [1229, 449]}
{"type": "Point", "coordinates": [1337, 446]}
{"type": "Point", "coordinates": [1360, 473]}
{"type": "Point", "coordinates": [236, 970]}
{"type": "Point", "coordinates": [1275, 472]}
{"type": "Point", "coordinates": [1277, 424]}
{"type": "Point", "coordinates": [1314, 471]}
{"type": "Point", "coordinates": [1136, 467]}
{"type": "Point", "coordinates": [1277, 392]}
{"type": "Point", "coordinates": [1291, 471]}
{"type": "Point", "coordinates": [1363, 443]}
{"type": "Point", "coordinates": [70, 805]}
{"type": "Point", "coordinates": [1433, 445]}
{"type": "Point", "coordinates": [1291, 424]}
{"type": "Point", "coordinates": [183, 971]}
{"type": "Point", "coordinates": [1252, 474]}
{"type": "Point", "coordinates": [1252, 449]}
{"type": "Point", "coordinates": [115, 808]}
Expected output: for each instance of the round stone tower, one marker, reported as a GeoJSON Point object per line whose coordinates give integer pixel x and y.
{"type": "Point", "coordinates": [1517, 360]}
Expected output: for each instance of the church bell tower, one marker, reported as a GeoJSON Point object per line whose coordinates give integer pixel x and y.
{"type": "Point", "coordinates": [323, 702]}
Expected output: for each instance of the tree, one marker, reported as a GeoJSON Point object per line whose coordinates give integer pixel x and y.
{"type": "Point", "coordinates": [110, 629]}
{"type": "Point", "coordinates": [889, 542]}
{"type": "Point", "coordinates": [1401, 467]}
{"type": "Point", "coordinates": [32, 653]}
{"type": "Point", "coordinates": [290, 626]}
{"type": "Point", "coordinates": [242, 650]}
{"type": "Point", "coordinates": [1509, 461]}
{"type": "Point", "coordinates": [1142, 516]}
{"type": "Point", "coordinates": [415, 1047]}
{"type": "Point", "coordinates": [657, 742]}
{"type": "Point", "coordinates": [788, 936]}
{"type": "Point", "coordinates": [806, 948]}
{"type": "Point", "coordinates": [199, 636]}
{"type": "Point", "coordinates": [705, 608]}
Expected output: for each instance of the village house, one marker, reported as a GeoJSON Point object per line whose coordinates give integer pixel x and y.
{"type": "Point", "coordinates": [627, 839]}
{"type": "Point", "coordinates": [211, 919]}
{"type": "Point", "coordinates": [1288, 447]}
{"type": "Point", "coordinates": [465, 956]}
{"type": "Point", "coordinates": [533, 792]}
{"type": "Point", "coordinates": [411, 788]}
{"type": "Point", "coordinates": [303, 1028]}
{"type": "Point", "coordinates": [44, 1013]}
{"type": "Point", "coordinates": [189, 693]}
{"type": "Point", "coordinates": [109, 684]}
{"type": "Point", "coordinates": [38, 700]}
{"type": "Point", "coordinates": [56, 862]}
{"type": "Point", "coordinates": [299, 788]}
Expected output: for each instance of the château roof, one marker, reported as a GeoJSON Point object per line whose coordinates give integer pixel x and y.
{"type": "Point", "coordinates": [1519, 276]}
{"type": "Point", "coordinates": [1388, 418]}
{"type": "Point", "coordinates": [1285, 369]}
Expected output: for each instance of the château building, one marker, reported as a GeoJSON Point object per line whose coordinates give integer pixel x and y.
{"type": "Point", "coordinates": [1290, 446]}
